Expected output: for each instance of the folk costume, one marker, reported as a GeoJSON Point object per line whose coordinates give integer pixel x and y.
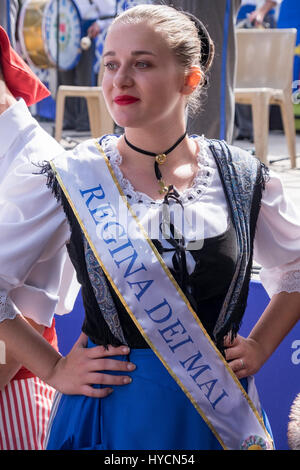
{"type": "Point", "coordinates": [236, 217]}
{"type": "Point", "coordinates": [229, 182]}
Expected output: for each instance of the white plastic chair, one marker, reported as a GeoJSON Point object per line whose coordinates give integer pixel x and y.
{"type": "Point", "coordinates": [100, 120]}
{"type": "Point", "coordinates": [264, 75]}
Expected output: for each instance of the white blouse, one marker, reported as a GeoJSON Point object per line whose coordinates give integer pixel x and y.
{"type": "Point", "coordinates": [36, 279]}
{"type": "Point", "coordinates": [33, 225]}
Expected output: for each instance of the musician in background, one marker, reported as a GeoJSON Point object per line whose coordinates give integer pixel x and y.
{"type": "Point", "coordinates": [92, 13]}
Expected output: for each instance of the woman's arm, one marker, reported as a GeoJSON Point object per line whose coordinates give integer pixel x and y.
{"type": "Point", "coordinates": [11, 366]}
{"type": "Point", "coordinates": [276, 250]}
{"type": "Point", "coordinates": [247, 355]}
{"type": "Point", "coordinates": [74, 374]}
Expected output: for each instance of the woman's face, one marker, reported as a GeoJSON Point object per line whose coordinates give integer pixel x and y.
{"type": "Point", "coordinates": [142, 82]}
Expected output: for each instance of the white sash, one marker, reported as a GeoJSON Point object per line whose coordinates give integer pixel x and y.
{"type": "Point", "coordinates": [156, 303]}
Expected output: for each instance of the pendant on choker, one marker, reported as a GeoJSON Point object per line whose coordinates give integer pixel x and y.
{"type": "Point", "coordinates": [161, 158]}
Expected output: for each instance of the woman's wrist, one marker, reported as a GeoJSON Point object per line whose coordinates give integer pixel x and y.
{"type": "Point", "coordinates": [50, 374]}
{"type": "Point", "coordinates": [261, 348]}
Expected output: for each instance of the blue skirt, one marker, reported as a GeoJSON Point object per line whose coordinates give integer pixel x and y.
{"type": "Point", "coordinates": [150, 413]}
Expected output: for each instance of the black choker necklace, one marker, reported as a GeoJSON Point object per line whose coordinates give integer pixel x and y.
{"type": "Point", "coordinates": [159, 160]}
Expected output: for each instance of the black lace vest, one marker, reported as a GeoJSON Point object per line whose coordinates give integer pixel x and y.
{"type": "Point", "coordinates": [205, 287]}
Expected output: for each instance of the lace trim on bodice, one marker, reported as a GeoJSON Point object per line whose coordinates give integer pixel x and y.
{"type": "Point", "coordinates": [200, 184]}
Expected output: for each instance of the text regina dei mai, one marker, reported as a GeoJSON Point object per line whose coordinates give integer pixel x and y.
{"type": "Point", "coordinates": [168, 325]}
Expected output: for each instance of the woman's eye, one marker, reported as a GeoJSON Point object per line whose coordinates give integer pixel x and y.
{"type": "Point", "coordinates": [141, 65]}
{"type": "Point", "coordinates": [110, 66]}
{"type": "Point", "coordinates": [113, 66]}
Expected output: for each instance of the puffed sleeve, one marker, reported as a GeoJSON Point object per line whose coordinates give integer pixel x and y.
{"type": "Point", "coordinates": [69, 288]}
{"type": "Point", "coordinates": [277, 240]}
{"type": "Point", "coordinates": [32, 223]}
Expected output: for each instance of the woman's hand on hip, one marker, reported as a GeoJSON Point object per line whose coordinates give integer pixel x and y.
{"type": "Point", "coordinates": [84, 367]}
{"type": "Point", "coordinates": [244, 356]}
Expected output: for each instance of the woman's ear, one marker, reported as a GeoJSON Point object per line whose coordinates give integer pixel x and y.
{"type": "Point", "coordinates": [192, 80]}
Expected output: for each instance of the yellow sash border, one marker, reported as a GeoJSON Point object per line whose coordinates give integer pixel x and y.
{"type": "Point", "coordinates": [171, 278]}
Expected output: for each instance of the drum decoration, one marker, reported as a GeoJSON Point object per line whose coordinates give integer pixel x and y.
{"type": "Point", "coordinates": [38, 33]}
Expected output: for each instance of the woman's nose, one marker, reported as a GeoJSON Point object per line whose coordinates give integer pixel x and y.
{"type": "Point", "coordinates": [122, 79]}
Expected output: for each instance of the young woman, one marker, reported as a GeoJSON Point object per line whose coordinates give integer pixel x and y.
{"type": "Point", "coordinates": [162, 230]}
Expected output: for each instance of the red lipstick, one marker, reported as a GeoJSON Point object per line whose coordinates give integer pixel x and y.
{"type": "Point", "coordinates": [124, 100]}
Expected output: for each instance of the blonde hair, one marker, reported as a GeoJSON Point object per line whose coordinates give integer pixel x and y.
{"type": "Point", "coordinates": [181, 35]}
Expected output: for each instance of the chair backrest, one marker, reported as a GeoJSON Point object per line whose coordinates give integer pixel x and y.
{"type": "Point", "coordinates": [265, 58]}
